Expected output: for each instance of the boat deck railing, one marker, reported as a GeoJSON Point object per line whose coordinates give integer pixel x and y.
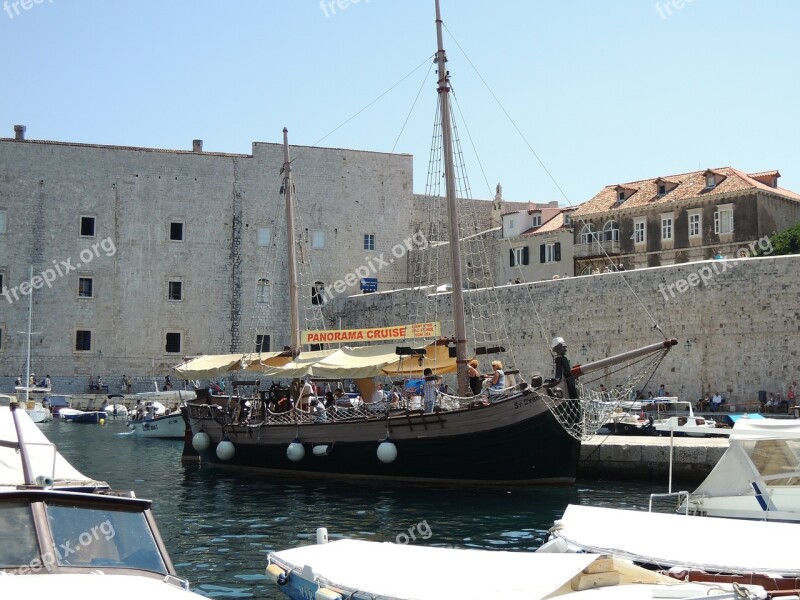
{"type": "Point", "coordinates": [682, 497]}
{"type": "Point", "coordinates": [258, 412]}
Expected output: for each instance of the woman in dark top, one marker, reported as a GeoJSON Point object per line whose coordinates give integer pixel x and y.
{"type": "Point", "coordinates": [474, 377]}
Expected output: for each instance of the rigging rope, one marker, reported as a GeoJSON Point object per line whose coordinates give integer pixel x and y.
{"type": "Point", "coordinates": [653, 321]}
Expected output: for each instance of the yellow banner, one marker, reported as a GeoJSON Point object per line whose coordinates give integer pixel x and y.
{"type": "Point", "coordinates": [372, 334]}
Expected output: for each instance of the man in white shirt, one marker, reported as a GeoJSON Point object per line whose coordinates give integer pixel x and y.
{"type": "Point", "coordinates": [306, 394]}
{"type": "Point", "coordinates": [716, 401]}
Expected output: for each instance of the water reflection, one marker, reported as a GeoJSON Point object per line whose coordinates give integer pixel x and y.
{"type": "Point", "coordinates": [219, 525]}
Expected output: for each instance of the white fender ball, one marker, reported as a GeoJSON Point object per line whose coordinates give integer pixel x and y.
{"type": "Point", "coordinates": [225, 449]}
{"type": "Point", "coordinates": [387, 451]}
{"type": "Point", "coordinates": [296, 452]}
{"type": "Point", "coordinates": [201, 441]}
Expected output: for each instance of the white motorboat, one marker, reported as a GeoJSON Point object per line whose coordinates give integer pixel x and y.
{"type": "Point", "coordinates": [68, 535]}
{"type": "Point", "coordinates": [114, 408]}
{"type": "Point", "coordinates": [350, 568]}
{"type": "Point", "coordinates": [758, 477]}
{"type": "Point", "coordinates": [689, 424]}
{"type": "Point", "coordinates": [73, 415]}
{"type": "Point", "coordinates": [37, 411]}
{"type": "Point", "coordinates": [685, 546]}
{"type": "Point", "coordinates": [170, 426]}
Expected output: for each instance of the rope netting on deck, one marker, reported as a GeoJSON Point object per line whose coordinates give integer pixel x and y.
{"type": "Point", "coordinates": [582, 418]}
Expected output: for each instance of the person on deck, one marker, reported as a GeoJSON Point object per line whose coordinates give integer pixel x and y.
{"type": "Point", "coordinates": [563, 370]}
{"type": "Point", "coordinates": [429, 389]}
{"type": "Point", "coordinates": [475, 382]}
{"type": "Point", "coordinates": [498, 381]}
{"type": "Point", "coordinates": [340, 400]}
{"type": "Point", "coordinates": [377, 395]}
{"type": "Point", "coordinates": [306, 393]}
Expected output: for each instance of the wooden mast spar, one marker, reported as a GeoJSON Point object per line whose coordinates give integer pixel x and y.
{"type": "Point", "coordinates": [457, 282]}
{"type": "Point", "coordinates": [294, 294]}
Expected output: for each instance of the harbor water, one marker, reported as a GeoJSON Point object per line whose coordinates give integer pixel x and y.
{"type": "Point", "coordinates": [218, 524]}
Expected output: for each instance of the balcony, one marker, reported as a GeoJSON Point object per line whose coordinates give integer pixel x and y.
{"type": "Point", "coordinates": [610, 248]}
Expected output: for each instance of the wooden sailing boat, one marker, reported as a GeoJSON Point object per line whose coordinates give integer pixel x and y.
{"type": "Point", "coordinates": [526, 433]}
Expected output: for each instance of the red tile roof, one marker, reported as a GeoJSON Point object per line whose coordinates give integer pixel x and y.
{"type": "Point", "coordinates": [690, 186]}
{"type": "Point", "coordinates": [557, 223]}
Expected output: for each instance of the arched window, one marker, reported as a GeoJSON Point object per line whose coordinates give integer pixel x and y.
{"type": "Point", "coordinates": [588, 234]}
{"type": "Point", "coordinates": [318, 293]}
{"type": "Point", "coordinates": [263, 291]}
{"type": "Point", "coordinates": [611, 231]}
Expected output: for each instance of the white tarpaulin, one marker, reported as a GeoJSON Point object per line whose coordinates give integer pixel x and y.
{"type": "Point", "coordinates": [427, 573]}
{"type": "Point", "coordinates": [711, 543]}
{"type": "Point", "coordinates": [210, 366]}
{"type": "Point", "coordinates": [44, 459]}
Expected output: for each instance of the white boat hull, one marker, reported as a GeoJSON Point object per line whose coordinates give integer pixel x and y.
{"type": "Point", "coordinates": [169, 427]}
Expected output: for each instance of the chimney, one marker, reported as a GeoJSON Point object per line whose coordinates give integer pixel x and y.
{"type": "Point", "coordinates": [197, 146]}
{"type": "Point", "coordinates": [19, 132]}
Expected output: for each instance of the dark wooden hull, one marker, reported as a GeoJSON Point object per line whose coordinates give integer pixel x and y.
{"type": "Point", "coordinates": [514, 441]}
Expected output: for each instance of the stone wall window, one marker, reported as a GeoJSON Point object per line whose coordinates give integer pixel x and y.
{"type": "Point", "coordinates": [262, 343]}
{"type": "Point", "coordinates": [318, 239]}
{"type": "Point", "coordinates": [611, 231]}
{"type": "Point", "coordinates": [173, 342]}
{"type": "Point", "coordinates": [550, 252]}
{"type": "Point", "coordinates": [263, 291]}
{"type": "Point", "coordinates": [695, 224]}
{"type": "Point", "coordinates": [175, 290]}
{"type": "Point", "coordinates": [639, 232]}
{"type": "Point", "coordinates": [589, 235]}
{"type": "Point", "coordinates": [264, 236]}
{"type": "Point", "coordinates": [176, 231]}
{"type": "Point", "coordinates": [723, 219]}
{"type": "Point", "coordinates": [83, 340]}
{"type": "Point", "coordinates": [3, 215]}
{"type": "Point", "coordinates": [85, 285]}
{"type": "Point", "coordinates": [666, 228]}
{"type": "Point", "coordinates": [369, 241]}
{"type": "Point", "coordinates": [519, 256]}
{"type": "Point", "coordinates": [87, 226]}
{"type": "Point", "coordinates": [318, 293]}
{"type": "Point", "coordinates": [2, 338]}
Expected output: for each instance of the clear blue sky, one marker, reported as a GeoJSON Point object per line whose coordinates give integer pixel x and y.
{"type": "Point", "coordinates": [605, 92]}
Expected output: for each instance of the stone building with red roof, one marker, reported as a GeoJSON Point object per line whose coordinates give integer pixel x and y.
{"type": "Point", "coordinates": [681, 218]}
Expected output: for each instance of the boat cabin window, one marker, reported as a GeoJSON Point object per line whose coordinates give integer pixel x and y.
{"type": "Point", "coordinates": [94, 537]}
{"type": "Point", "coordinates": [19, 547]}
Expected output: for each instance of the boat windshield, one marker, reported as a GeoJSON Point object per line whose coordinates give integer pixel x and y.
{"type": "Point", "coordinates": [16, 523]}
{"type": "Point", "coordinates": [95, 537]}
{"type": "Point", "coordinates": [778, 461]}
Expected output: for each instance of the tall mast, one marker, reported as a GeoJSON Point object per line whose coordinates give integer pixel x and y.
{"type": "Point", "coordinates": [294, 295]}
{"type": "Point", "coordinates": [27, 382]}
{"type": "Point", "coordinates": [452, 215]}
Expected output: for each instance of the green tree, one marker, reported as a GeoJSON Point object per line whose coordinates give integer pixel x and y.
{"type": "Point", "coordinates": [786, 242]}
